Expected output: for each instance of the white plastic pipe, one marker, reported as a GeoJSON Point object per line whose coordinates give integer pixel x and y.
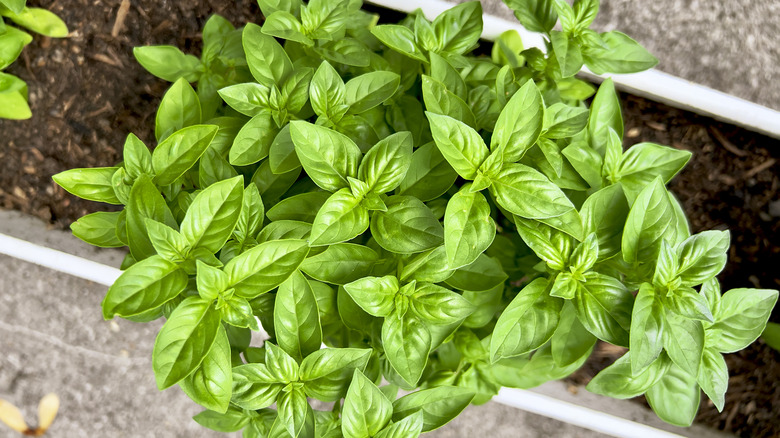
{"type": "Point", "coordinates": [578, 415]}
{"type": "Point", "coordinates": [652, 84]}
{"type": "Point", "coordinates": [58, 260]}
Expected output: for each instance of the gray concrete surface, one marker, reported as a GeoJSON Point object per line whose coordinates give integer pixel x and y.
{"type": "Point", "coordinates": [54, 339]}
{"type": "Point", "coordinates": [732, 46]}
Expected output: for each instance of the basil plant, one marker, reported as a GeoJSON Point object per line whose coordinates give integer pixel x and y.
{"type": "Point", "coordinates": [386, 211]}
{"type": "Point", "coordinates": [13, 91]}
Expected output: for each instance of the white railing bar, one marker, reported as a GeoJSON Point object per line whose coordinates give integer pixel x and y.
{"type": "Point", "coordinates": [578, 415]}
{"type": "Point", "coordinates": [526, 400]}
{"type": "Point", "coordinates": [652, 84]}
{"type": "Point", "coordinates": [58, 260]}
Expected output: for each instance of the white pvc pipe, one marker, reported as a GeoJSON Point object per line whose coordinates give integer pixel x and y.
{"type": "Point", "coordinates": [652, 84]}
{"type": "Point", "coordinates": [58, 260]}
{"type": "Point", "coordinates": [578, 415]}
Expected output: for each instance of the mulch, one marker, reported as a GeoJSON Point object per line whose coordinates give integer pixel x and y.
{"type": "Point", "coordinates": [87, 93]}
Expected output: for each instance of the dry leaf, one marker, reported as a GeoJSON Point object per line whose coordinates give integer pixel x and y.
{"type": "Point", "coordinates": [47, 411]}
{"type": "Point", "coordinates": [10, 415]}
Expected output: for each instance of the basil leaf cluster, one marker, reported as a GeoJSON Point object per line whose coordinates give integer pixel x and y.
{"type": "Point", "coordinates": [13, 91]}
{"type": "Point", "coordinates": [397, 213]}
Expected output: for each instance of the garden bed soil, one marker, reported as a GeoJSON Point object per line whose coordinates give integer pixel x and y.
{"type": "Point", "coordinates": [87, 93]}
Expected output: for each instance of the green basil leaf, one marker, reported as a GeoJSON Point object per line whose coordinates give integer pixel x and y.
{"type": "Point", "coordinates": [146, 285]}
{"type": "Point", "coordinates": [605, 213]}
{"type": "Point", "coordinates": [483, 274]}
{"type": "Point", "coordinates": [281, 155]}
{"type": "Point", "coordinates": [439, 305]}
{"type": "Point", "coordinates": [253, 141]}
{"type": "Point", "coordinates": [676, 397]}
{"type": "Point", "coordinates": [375, 295]}
{"type": "Point", "coordinates": [563, 121]}
{"type": "Point", "coordinates": [282, 24]}
{"type": "Point", "coordinates": [647, 329]}
{"type": "Point", "coordinates": [571, 340]}
{"type": "Point", "coordinates": [519, 124]}
{"type": "Point", "coordinates": [327, 19]}
{"type": "Point", "coordinates": [328, 93]}
{"type": "Point", "coordinates": [702, 256]}
{"type": "Point", "coordinates": [645, 161]}
{"type": "Point", "coordinates": [686, 302]}
{"type": "Point", "coordinates": [231, 421]}
{"type": "Point", "coordinates": [341, 263]}
{"type": "Point", "coordinates": [567, 53]}
{"type": "Point", "coordinates": [284, 229]}
{"type": "Point", "coordinates": [303, 207]}
{"type": "Point", "coordinates": [211, 385]}
{"type": "Point", "coordinates": [439, 100]}
{"type": "Point", "coordinates": [408, 427]}
{"type": "Point", "coordinates": [486, 304]}
{"type": "Point", "coordinates": [460, 144]}
{"type": "Point", "coordinates": [265, 266]}
{"type": "Point", "coordinates": [347, 51]}
{"type": "Point", "coordinates": [280, 364]}
{"type": "Point", "coordinates": [534, 15]}
{"type": "Point", "coordinates": [180, 151]}
{"type": "Point", "coordinates": [296, 317]}
{"type": "Point", "coordinates": [184, 341]}
{"type": "Point", "coordinates": [400, 39]}
{"type": "Point", "coordinates": [327, 156]}
{"type": "Point", "coordinates": [621, 55]}
{"type": "Point", "coordinates": [93, 184]}
{"type": "Point", "coordinates": [407, 343]}
{"type": "Point", "coordinates": [250, 99]}
{"type": "Point", "coordinates": [458, 28]}
{"type": "Point", "coordinates": [341, 218]}
{"type": "Point", "coordinates": [98, 229]}
{"type": "Point", "coordinates": [444, 72]}
{"type": "Point", "coordinates": [266, 58]}
{"type": "Point", "coordinates": [438, 405]}
{"type": "Point", "coordinates": [213, 214]}
{"type": "Point", "coordinates": [741, 318]}
{"type": "Point", "coordinates": [168, 63]}
{"type": "Point", "coordinates": [617, 380]}
{"type": "Point", "coordinates": [167, 242]}
{"type": "Point", "coordinates": [254, 387]}
{"type": "Point", "coordinates": [295, 413]}
{"type": "Point", "coordinates": [326, 373]}
{"type": "Point", "coordinates": [429, 175]}
{"type": "Point", "coordinates": [271, 185]}
{"type": "Point", "coordinates": [250, 219]}
{"type": "Point", "coordinates": [527, 323]}
{"type": "Point", "coordinates": [523, 191]}
{"type": "Point", "coordinates": [366, 410]}
{"type": "Point", "coordinates": [604, 307]}
{"type": "Point", "coordinates": [429, 266]}
{"type": "Point", "coordinates": [605, 114]}
{"type": "Point", "coordinates": [179, 108]}
{"type": "Point", "coordinates": [546, 242]}
{"type": "Point", "coordinates": [713, 377]}
{"type": "Point", "coordinates": [650, 220]}
{"type": "Point", "coordinates": [408, 226]}
{"type": "Point", "coordinates": [469, 228]}
{"type": "Point", "coordinates": [370, 89]}
{"type": "Point", "coordinates": [684, 341]}
{"type": "Point", "coordinates": [213, 168]}
{"type": "Point", "coordinates": [145, 202]}
{"type": "Point", "coordinates": [385, 165]}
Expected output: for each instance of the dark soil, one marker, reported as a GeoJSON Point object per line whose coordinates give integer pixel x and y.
{"type": "Point", "coordinates": [87, 93]}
